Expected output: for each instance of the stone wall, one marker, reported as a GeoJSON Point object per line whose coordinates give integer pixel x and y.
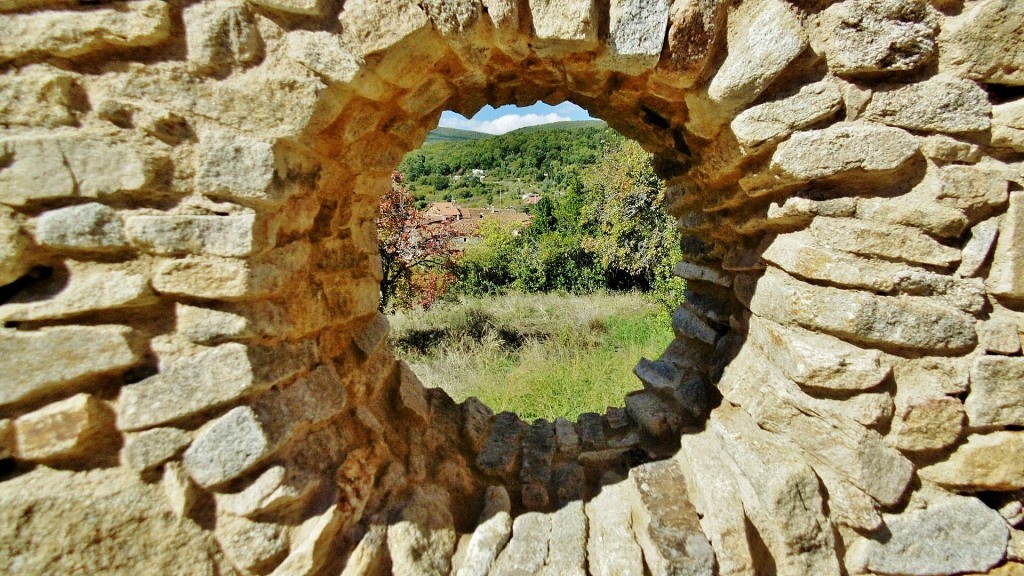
{"type": "Point", "coordinates": [195, 379]}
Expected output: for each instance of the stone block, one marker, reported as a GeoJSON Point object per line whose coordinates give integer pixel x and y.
{"type": "Point", "coordinates": [999, 335]}
{"type": "Point", "coordinates": [65, 430]}
{"type": "Point", "coordinates": [476, 422]}
{"type": "Point", "coordinates": [370, 554]}
{"type": "Point", "coordinates": [565, 24]}
{"type": "Point", "coordinates": [567, 440]}
{"type": "Point", "coordinates": [89, 288]}
{"type": "Point", "coordinates": [411, 394]}
{"type": "Point", "coordinates": [220, 35]}
{"type": "Point", "coordinates": [235, 166]}
{"type": "Point", "coordinates": [213, 277]}
{"type": "Point", "coordinates": [422, 541]}
{"type": "Point", "coordinates": [924, 423]}
{"type": "Point", "coordinates": [527, 549]}
{"type": "Point", "coordinates": [977, 191]}
{"type": "Point", "coordinates": [372, 335]}
{"type": "Point", "coordinates": [169, 235]}
{"type": "Point", "coordinates": [611, 547]}
{"type": "Point", "coordinates": [251, 546]}
{"type": "Point", "coordinates": [887, 241]}
{"type": "Point", "coordinates": [490, 536]}
{"type": "Point", "coordinates": [978, 247]}
{"type": "Point", "coordinates": [14, 245]}
{"type": "Point", "coordinates": [230, 446]}
{"type": "Point", "coordinates": [945, 149]}
{"type": "Point", "coordinates": [538, 451]}
{"type": "Point", "coordinates": [956, 535]}
{"type": "Point", "coordinates": [6, 439]}
{"type": "Point", "coordinates": [181, 492]}
{"type": "Point", "coordinates": [916, 212]}
{"type": "Point", "coordinates": [144, 451]}
{"type": "Point", "coordinates": [314, 547]}
{"type": "Point", "coordinates": [939, 104]}
{"type": "Point", "coordinates": [764, 37]}
{"type": "Point", "coordinates": [870, 37]}
{"type": "Point", "coordinates": [590, 431]}
{"type": "Point", "coordinates": [76, 34]}
{"type": "Point", "coordinates": [771, 122]}
{"type": "Point", "coordinates": [886, 321]}
{"type": "Point", "coordinates": [997, 396]}
{"type": "Point", "coordinates": [636, 33]}
{"type": "Point", "coordinates": [324, 54]}
{"type": "Point", "coordinates": [986, 462]}
{"type": "Point", "coordinates": [653, 415]}
{"type": "Point", "coordinates": [1006, 277]}
{"type": "Point", "coordinates": [1008, 125]}
{"type": "Point", "coordinates": [276, 489]}
{"type": "Point", "coordinates": [55, 359]}
{"type": "Point", "coordinates": [87, 166]}
{"type": "Point", "coordinates": [567, 550]}
{"type": "Point", "coordinates": [37, 96]}
{"type": "Point", "coordinates": [93, 227]}
{"type": "Point", "coordinates": [979, 43]}
{"type": "Point", "coordinates": [692, 271]}
{"type": "Point", "coordinates": [499, 453]}
{"type": "Point", "coordinates": [686, 324]}
{"type": "Point", "coordinates": [206, 325]}
{"type": "Point", "coordinates": [303, 7]}
{"type": "Point", "coordinates": [375, 26]}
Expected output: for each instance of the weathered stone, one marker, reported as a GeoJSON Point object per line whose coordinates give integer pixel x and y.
{"type": "Point", "coordinates": [1006, 277]}
{"type": "Point", "coordinates": [490, 536]}
{"type": "Point", "coordinates": [996, 397]}
{"type": "Point", "coordinates": [221, 34]}
{"type": "Point", "coordinates": [953, 536]}
{"type": "Point", "coordinates": [126, 523]}
{"type": "Point", "coordinates": [566, 438]}
{"type": "Point", "coordinates": [235, 166]}
{"type": "Point", "coordinates": [800, 211]}
{"type": "Point", "coordinates": [304, 7]}
{"type": "Point", "coordinates": [686, 324]}
{"type": "Point", "coordinates": [498, 455]}
{"type": "Point", "coordinates": [85, 227]}
{"type": "Point", "coordinates": [14, 244]}
{"type": "Point", "coordinates": [939, 104]}
{"type": "Point", "coordinates": [842, 150]}
{"type": "Point", "coordinates": [1008, 125]}
{"type": "Point", "coordinates": [773, 121]}
{"type": "Point", "coordinates": [652, 414]}
{"type": "Point", "coordinates": [58, 359]}
{"type": "Point", "coordinates": [671, 383]}
{"type": "Point", "coordinates": [985, 462]}
{"type": "Point", "coordinates": [692, 271]}
{"type": "Point", "coordinates": [6, 438]}
{"type": "Point", "coordinates": [528, 548]}
{"type": "Point", "coordinates": [977, 191]}
{"type": "Point", "coordinates": [146, 450]}
{"type": "Point", "coordinates": [942, 148]}
{"type": "Point", "coordinates": [206, 325]}
{"type": "Point", "coordinates": [68, 429]}
{"type": "Point", "coordinates": [611, 548]}
{"type": "Point", "coordinates": [314, 548]}
{"type": "Point", "coordinates": [569, 23]}
{"type": "Point", "coordinates": [848, 505]}
{"type": "Point", "coordinates": [926, 423]}
{"type": "Point", "coordinates": [231, 446]}
{"type": "Point", "coordinates": [590, 431]}
{"type": "Point", "coordinates": [277, 488]}
{"type": "Point", "coordinates": [230, 236]}
{"type": "Point", "coordinates": [885, 240]}
{"type": "Point", "coordinates": [897, 322]}
{"type": "Point", "coordinates": [978, 44]}
{"type": "Point", "coordinates": [763, 38]}
{"type": "Point", "coordinates": [181, 492]}
{"type": "Point", "coordinates": [370, 555]}
{"type": "Point", "coordinates": [89, 166]}
{"type": "Point", "coordinates": [636, 33]}
{"type": "Point", "coordinates": [372, 335]}
{"type": "Point", "coordinates": [936, 376]}
{"type": "Point", "coordinates": [90, 288]}
{"type": "Point", "coordinates": [67, 34]}
{"type": "Point", "coordinates": [476, 422]}
{"type": "Point", "coordinates": [930, 216]}
{"type": "Point", "coordinates": [780, 496]}
{"type": "Point", "coordinates": [37, 96]}
{"type": "Point", "coordinates": [423, 540]}
{"type": "Point", "coordinates": [373, 26]}
{"type": "Point", "coordinates": [999, 335]}
{"type": "Point", "coordinates": [666, 524]}
{"type": "Point", "coordinates": [205, 380]}
{"type": "Point", "coordinates": [251, 546]}
{"type": "Point", "coordinates": [713, 490]}
{"type": "Point", "coordinates": [453, 18]}
{"type": "Point", "coordinates": [978, 247]}
{"type": "Point", "coordinates": [567, 550]}
{"type": "Point", "coordinates": [538, 450]}
{"type": "Point", "coordinates": [866, 37]}
{"type": "Point", "coordinates": [411, 394]}
{"type": "Point", "coordinates": [324, 54]}
{"type": "Point", "coordinates": [213, 277]}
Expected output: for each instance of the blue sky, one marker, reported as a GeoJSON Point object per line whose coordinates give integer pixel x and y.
{"type": "Point", "coordinates": [511, 117]}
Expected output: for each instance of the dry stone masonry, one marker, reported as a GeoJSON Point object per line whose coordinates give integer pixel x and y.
{"type": "Point", "coordinates": [194, 378]}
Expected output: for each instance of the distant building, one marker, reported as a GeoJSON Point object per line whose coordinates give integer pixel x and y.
{"type": "Point", "coordinates": [530, 199]}
{"type": "Point", "coordinates": [465, 222]}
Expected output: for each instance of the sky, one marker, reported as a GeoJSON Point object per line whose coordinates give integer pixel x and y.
{"type": "Point", "coordinates": [511, 117]}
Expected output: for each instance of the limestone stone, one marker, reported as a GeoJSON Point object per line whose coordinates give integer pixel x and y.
{"type": "Point", "coordinates": [37, 96]}
{"type": "Point", "coordinates": [230, 236]}
{"type": "Point", "coordinates": [181, 492]}
{"type": "Point", "coordinates": [14, 245]}
{"type": "Point", "coordinates": [314, 547]}
{"type": "Point", "coordinates": [713, 490]}
{"type": "Point", "coordinates": [978, 43]}
{"type": "Point", "coordinates": [798, 210]}
{"type": "Point", "coordinates": [773, 121]}
{"type": "Point", "coordinates": [567, 440]}
{"type": "Point", "coordinates": [411, 394]}
{"type": "Point", "coordinates": [221, 34]}
{"type": "Point", "coordinates": [652, 414]}
{"type": "Point", "coordinates": [996, 397]}
{"type": "Point", "coordinates": [146, 450]}
{"type": "Point", "coordinates": [848, 505]}
{"type": "Point", "coordinates": [686, 324]}
{"type": "Point", "coordinates": [6, 438]}
{"type": "Point", "coordinates": [780, 496]}
{"type": "Point", "coordinates": [976, 190]}
{"type": "Point", "coordinates": [897, 322]}
{"type": "Point", "coordinates": [636, 33]}
{"type": "Point", "coordinates": [229, 447]}
{"type": "Point", "coordinates": [251, 546]}
{"type": "Point", "coordinates": [843, 150]}
{"type": "Point", "coordinates": [926, 423]}
{"type": "Point", "coordinates": [453, 18]}
{"type": "Point", "coordinates": [303, 7]}
{"type": "Point", "coordinates": [206, 325]}
{"type": "Point", "coordinates": [611, 548]}
{"type": "Point", "coordinates": [978, 247]}
{"type": "Point", "coordinates": [985, 462]}
{"type": "Point", "coordinates": [369, 556]}
{"type": "Point", "coordinates": [68, 429]}
{"type": "Point", "coordinates": [999, 335]}
{"type": "Point", "coordinates": [538, 450]}
{"type": "Point", "coordinates": [939, 104]}
{"type": "Point", "coordinates": [84, 227]}
{"type": "Point", "coordinates": [127, 524]}
{"type": "Point", "coordinates": [423, 540]}
{"type": "Point", "coordinates": [764, 38]}
{"type": "Point", "coordinates": [572, 23]}
{"type": "Point", "coordinates": [1008, 125]}
{"type": "Point", "coordinates": [324, 54]}
{"type": "Point", "coordinates": [89, 166]}
{"type": "Point", "coordinates": [664, 379]}
{"type": "Point", "coordinates": [490, 536]}
{"type": "Point", "coordinates": [692, 271]}
{"type": "Point", "coordinates": [818, 361]}
{"type": "Point", "coordinates": [499, 453]}
{"type": "Point", "coordinates": [942, 148]}
{"type": "Point", "coordinates": [866, 37]}
{"type": "Point", "coordinates": [930, 216]}
{"type": "Point", "coordinates": [957, 535]}
{"type": "Point", "coordinates": [1006, 277]}
{"type": "Point", "coordinates": [883, 240]}
{"type": "Point", "coordinates": [590, 431]}
{"type": "Point", "coordinates": [90, 288]}
{"type": "Point", "coordinates": [666, 523]}
{"type": "Point", "coordinates": [568, 546]}
{"type": "Point", "coordinates": [67, 34]}
{"type": "Point", "coordinates": [235, 166]}
{"type": "Point", "coordinates": [56, 359]}
{"type": "Point", "coordinates": [936, 376]}
{"type": "Point", "coordinates": [372, 26]}
{"type": "Point", "coordinates": [213, 277]}
{"type": "Point", "coordinates": [476, 422]}
{"type": "Point", "coordinates": [527, 549]}
{"type": "Point", "coordinates": [277, 488]}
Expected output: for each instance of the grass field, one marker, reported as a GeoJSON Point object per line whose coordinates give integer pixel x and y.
{"type": "Point", "coordinates": [539, 355]}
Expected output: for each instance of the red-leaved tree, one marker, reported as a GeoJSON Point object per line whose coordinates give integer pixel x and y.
{"type": "Point", "coordinates": [417, 256]}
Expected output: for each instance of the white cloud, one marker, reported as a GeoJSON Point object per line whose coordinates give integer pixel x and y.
{"type": "Point", "coordinates": [502, 124]}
